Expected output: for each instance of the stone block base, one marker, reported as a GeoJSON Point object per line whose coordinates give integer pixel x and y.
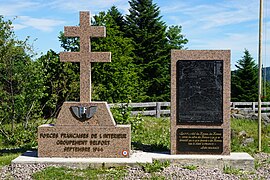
{"type": "Point", "coordinates": [236, 160]}
{"type": "Point", "coordinates": [84, 141]}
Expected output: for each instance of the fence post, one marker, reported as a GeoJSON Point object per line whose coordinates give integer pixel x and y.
{"type": "Point", "coordinates": [158, 108]}
{"type": "Point", "coordinates": [253, 107]}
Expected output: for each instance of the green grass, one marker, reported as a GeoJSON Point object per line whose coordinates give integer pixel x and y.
{"type": "Point", "coordinates": [156, 166]}
{"type": "Point", "coordinates": [151, 134]}
{"type": "Point", "coordinates": [154, 135]}
{"type": "Point", "coordinates": [243, 174]}
{"type": "Point", "coordinates": [63, 173]}
{"type": "Point", "coordinates": [190, 167]}
{"type": "Point", "coordinates": [251, 128]}
{"type": "Point", "coordinates": [6, 158]}
{"type": "Point", "coordinates": [230, 170]}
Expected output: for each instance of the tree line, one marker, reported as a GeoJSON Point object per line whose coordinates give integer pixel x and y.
{"type": "Point", "coordinates": [140, 43]}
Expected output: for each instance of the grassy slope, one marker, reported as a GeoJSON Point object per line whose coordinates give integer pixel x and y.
{"type": "Point", "coordinates": [63, 173]}
{"type": "Point", "coordinates": [153, 134]}
{"type": "Point", "coordinates": [251, 129]}
{"type": "Point", "coordinates": [5, 159]}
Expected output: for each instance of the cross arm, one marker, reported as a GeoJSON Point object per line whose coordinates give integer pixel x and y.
{"type": "Point", "coordinates": [70, 56]}
{"type": "Point", "coordinates": [91, 56]}
{"type": "Point", "coordinates": [71, 31]}
{"type": "Point", "coordinates": [98, 31]}
{"type": "Point", "coordinates": [99, 56]}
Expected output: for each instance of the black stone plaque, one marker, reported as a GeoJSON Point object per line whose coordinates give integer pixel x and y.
{"type": "Point", "coordinates": [199, 90]}
{"type": "Point", "coordinates": [199, 141]}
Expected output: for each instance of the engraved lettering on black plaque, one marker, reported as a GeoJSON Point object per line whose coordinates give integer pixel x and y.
{"type": "Point", "coordinates": [202, 141]}
{"type": "Point", "coordinates": [199, 92]}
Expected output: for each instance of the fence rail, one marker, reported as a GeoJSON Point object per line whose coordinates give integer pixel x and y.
{"type": "Point", "coordinates": [251, 106]}
{"type": "Point", "coordinates": [163, 108]}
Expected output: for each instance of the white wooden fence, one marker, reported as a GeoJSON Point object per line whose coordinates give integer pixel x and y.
{"type": "Point", "coordinates": [147, 108]}
{"type": "Point", "coordinates": [251, 106]}
{"type": "Point", "coordinates": [163, 108]}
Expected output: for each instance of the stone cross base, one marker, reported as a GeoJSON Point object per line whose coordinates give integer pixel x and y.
{"type": "Point", "coordinates": [84, 141]}
{"type": "Point", "coordinates": [84, 130]}
{"type": "Point", "coordinates": [102, 116]}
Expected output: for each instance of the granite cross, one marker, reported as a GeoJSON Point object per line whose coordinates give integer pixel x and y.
{"type": "Point", "coordinates": [85, 56]}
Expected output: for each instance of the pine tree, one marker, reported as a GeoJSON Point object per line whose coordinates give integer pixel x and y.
{"type": "Point", "coordinates": [148, 32]}
{"type": "Point", "coordinates": [245, 80]}
{"type": "Point", "coordinates": [117, 17]}
{"type": "Point", "coordinates": [146, 47]}
{"type": "Point", "coordinates": [176, 39]}
{"type": "Point", "coordinates": [116, 81]}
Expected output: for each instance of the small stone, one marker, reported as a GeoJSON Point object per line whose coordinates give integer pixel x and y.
{"type": "Point", "coordinates": [239, 116]}
{"type": "Point", "coordinates": [242, 134]}
{"type": "Point", "coordinates": [247, 141]}
{"type": "Point", "coordinates": [253, 117]}
{"type": "Point", "coordinates": [265, 118]}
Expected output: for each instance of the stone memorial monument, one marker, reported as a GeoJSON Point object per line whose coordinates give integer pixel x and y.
{"type": "Point", "coordinates": [200, 102]}
{"type": "Point", "coordinates": [85, 128]}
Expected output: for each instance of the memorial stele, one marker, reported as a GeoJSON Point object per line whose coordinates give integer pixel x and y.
{"type": "Point", "coordinates": [85, 128]}
{"type": "Point", "coordinates": [200, 102]}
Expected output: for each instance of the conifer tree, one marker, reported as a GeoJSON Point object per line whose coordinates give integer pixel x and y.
{"type": "Point", "coordinates": [245, 80]}
{"type": "Point", "coordinates": [148, 31]}
{"type": "Point", "coordinates": [117, 17]}
{"type": "Point", "coordinates": [116, 81]}
{"type": "Point", "coordinates": [176, 39]}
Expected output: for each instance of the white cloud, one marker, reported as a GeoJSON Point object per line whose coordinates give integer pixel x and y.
{"type": "Point", "coordinates": [235, 41]}
{"type": "Point", "coordinates": [18, 26]}
{"type": "Point", "coordinates": [42, 24]}
{"type": "Point", "coordinates": [18, 7]}
{"type": "Point", "coordinates": [15, 7]}
{"type": "Point", "coordinates": [212, 15]}
{"type": "Point", "coordinates": [90, 5]}
{"type": "Point", "coordinates": [208, 24]}
{"type": "Point", "coordinates": [223, 24]}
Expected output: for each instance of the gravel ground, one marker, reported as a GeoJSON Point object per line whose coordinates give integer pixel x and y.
{"type": "Point", "coordinates": [172, 172]}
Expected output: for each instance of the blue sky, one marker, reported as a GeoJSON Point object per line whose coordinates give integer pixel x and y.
{"type": "Point", "coordinates": [207, 24]}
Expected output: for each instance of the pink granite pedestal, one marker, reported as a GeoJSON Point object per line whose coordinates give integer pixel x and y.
{"type": "Point", "coordinates": [97, 137]}
{"type": "Point", "coordinates": [191, 131]}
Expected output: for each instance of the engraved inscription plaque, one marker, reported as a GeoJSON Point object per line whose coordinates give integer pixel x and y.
{"type": "Point", "coordinates": [200, 102]}
{"type": "Point", "coordinates": [199, 92]}
{"type": "Point", "coordinates": [202, 141]}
